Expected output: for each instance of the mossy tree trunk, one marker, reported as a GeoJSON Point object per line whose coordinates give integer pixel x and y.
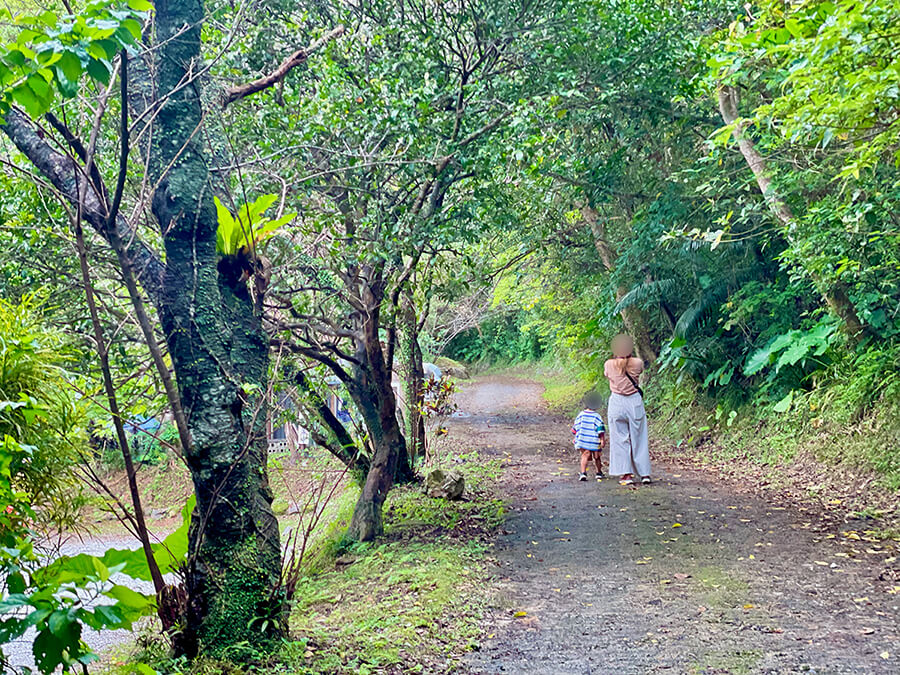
{"type": "Point", "coordinates": [219, 351]}
{"type": "Point", "coordinates": [413, 375]}
{"type": "Point", "coordinates": [218, 348]}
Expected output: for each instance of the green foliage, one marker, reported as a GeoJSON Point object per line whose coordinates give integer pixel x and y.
{"type": "Point", "coordinates": [170, 554]}
{"type": "Point", "coordinates": [792, 348]}
{"type": "Point", "coordinates": [153, 448]}
{"type": "Point", "coordinates": [501, 338]}
{"type": "Point", "coordinates": [53, 52]}
{"type": "Point", "coordinates": [40, 411]}
{"type": "Point", "coordinates": [835, 66]}
{"type": "Point", "coordinates": [40, 444]}
{"type": "Point", "coordinates": [250, 228]}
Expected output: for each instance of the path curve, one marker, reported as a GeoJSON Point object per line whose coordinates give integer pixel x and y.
{"type": "Point", "coordinates": [688, 575]}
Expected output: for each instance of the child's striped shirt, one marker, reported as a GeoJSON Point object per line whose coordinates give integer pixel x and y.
{"type": "Point", "coordinates": [587, 429]}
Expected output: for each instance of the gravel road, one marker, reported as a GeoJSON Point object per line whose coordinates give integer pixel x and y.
{"type": "Point", "coordinates": [688, 575]}
{"type": "Point", "coordinates": [19, 651]}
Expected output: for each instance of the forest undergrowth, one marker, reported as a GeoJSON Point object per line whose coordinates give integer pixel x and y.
{"type": "Point", "coordinates": [425, 576]}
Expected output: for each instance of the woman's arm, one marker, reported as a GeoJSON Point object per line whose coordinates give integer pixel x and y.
{"type": "Point", "coordinates": [637, 365]}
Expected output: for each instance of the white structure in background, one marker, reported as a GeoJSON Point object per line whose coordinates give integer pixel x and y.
{"type": "Point", "coordinates": [432, 372]}
{"type": "Point", "coordinates": [292, 436]}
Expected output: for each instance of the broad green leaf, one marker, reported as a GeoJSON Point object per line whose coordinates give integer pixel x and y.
{"type": "Point", "coordinates": [784, 404]}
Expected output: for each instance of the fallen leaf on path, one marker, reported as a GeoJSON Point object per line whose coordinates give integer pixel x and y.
{"type": "Point", "coordinates": [867, 631]}
{"type": "Point", "coordinates": [665, 581]}
{"type": "Point", "coordinates": [681, 575]}
{"type": "Point", "coordinates": [676, 524]}
{"type": "Point", "coordinates": [748, 606]}
{"type": "Point", "coordinates": [520, 614]}
{"type": "Point", "coordinates": [885, 655]}
{"type": "Point", "coordinates": [676, 475]}
{"type": "Point", "coordinates": [693, 497]}
{"type": "Point", "coordinates": [865, 599]}
{"type": "Point", "coordinates": [821, 562]}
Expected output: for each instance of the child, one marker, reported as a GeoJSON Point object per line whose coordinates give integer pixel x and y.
{"type": "Point", "coordinates": [589, 435]}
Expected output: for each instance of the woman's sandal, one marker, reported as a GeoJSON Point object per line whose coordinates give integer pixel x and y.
{"type": "Point", "coordinates": [646, 480]}
{"type": "Point", "coordinates": [626, 481]}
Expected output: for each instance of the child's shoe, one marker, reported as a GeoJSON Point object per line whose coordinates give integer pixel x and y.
{"type": "Point", "coordinates": [582, 476]}
{"type": "Point", "coordinates": [600, 475]}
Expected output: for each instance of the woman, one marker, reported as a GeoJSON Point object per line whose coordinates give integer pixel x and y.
{"type": "Point", "coordinates": [629, 453]}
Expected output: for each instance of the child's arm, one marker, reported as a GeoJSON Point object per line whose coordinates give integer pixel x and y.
{"type": "Point", "coordinates": [601, 433]}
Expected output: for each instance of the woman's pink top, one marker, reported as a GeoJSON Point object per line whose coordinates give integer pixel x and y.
{"type": "Point", "coordinates": [618, 381]}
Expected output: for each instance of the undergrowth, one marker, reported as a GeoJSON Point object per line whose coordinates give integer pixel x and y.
{"type": "Point", "coordinates": [827, 425]}
{"type": "Point", "coordinates": [411, 602]}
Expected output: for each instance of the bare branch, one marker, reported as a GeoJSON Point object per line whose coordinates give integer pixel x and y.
{"type": "Point", "coordinates": [63, 173]}
{"type": "Point", "coordinates": [233, 94]}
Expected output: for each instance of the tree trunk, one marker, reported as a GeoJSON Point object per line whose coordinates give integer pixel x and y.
{"type": "Point", "coordinates": [633, 318]}
{"type": "Point", "coordinates": [412, 374]}
{"type": "Point", "coordinates": [371, 391]}
{"type": "Point", "coordinates": [834, 293]}
{"type": "Point", "coordinates": [217, 347]}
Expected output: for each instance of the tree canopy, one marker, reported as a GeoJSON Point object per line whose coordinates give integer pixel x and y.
{"type": "Point", "coordinates": [216, 202]}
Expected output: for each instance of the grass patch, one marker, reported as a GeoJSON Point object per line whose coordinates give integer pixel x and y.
{"type": "Point", "coordinates": [734, 663]}
{"type": "Point", "coordinates": [410, 603]}
{"type": "Point", "coordinates": [426, 581]}
{"type": "Point", "coordinates": [428, 608]}
{"type": "Point", "coordinates": [721, 589]}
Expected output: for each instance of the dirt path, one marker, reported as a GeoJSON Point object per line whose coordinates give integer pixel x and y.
{"type": "Point", "coordinates": [685, 576]}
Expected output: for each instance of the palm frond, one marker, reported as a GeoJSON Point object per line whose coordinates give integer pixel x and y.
{"type": "Point", "coordinates": [705, 306]}
{"type": "Point", "coordinates": [646, 292]}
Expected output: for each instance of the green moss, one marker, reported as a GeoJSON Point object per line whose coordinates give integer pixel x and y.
{"type": "Point", "coordinates": [734, 663]}
{"type": "Point", "coordinates": [428, 608]}
{"type": "Point", "coordinates": [237, 624]}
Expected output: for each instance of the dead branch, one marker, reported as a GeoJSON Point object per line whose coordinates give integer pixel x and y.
{"type": "Point", "coordinates": [233, 94]}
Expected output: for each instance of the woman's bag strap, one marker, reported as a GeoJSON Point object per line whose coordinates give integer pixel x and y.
{"type": "Point", "coordinates": [634, 382]}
